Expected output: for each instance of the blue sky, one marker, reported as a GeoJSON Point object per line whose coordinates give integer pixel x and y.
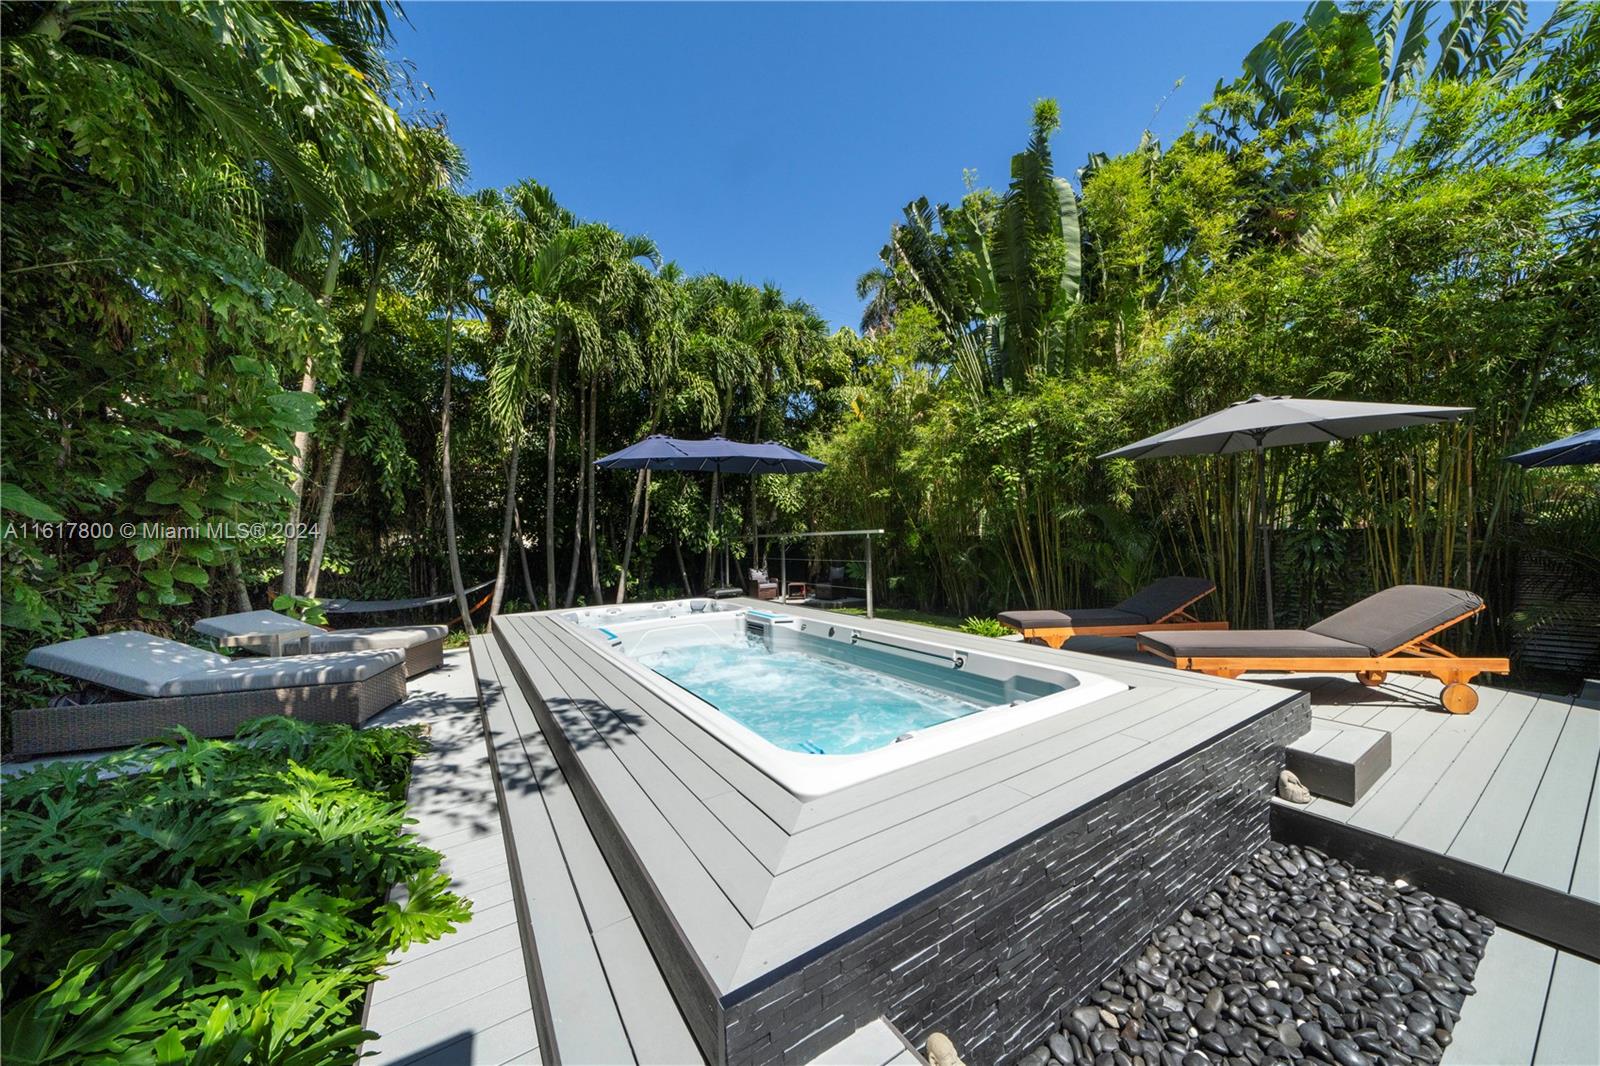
{"type": "Point", "coordinates": [777, 142]}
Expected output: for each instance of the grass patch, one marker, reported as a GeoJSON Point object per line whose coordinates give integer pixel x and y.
{"type": "Point", "coordinates": [203, 901]}
{"type": "Point", "coordinates": [903, 614]}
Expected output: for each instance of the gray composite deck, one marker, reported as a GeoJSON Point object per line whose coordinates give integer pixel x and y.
{"type": "Point", "coordinates": [754, 878]}
{"type": "Point", "coordinates": [463, 999]}
{"type": "Point", "coordinates": [1533, 1005]}
{"type": "Point", "coordinates": [599, 994]}
{"type": "Point", "coordinates": [1510, 787]}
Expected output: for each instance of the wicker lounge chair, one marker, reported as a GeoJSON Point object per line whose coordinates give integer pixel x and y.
{"type": "Point", "coordinates": [137, 686]}
{"type": "Point", "coordinates": [761, 586]}
{"type": "Point", "coordinates": [1162, 604]}
{"type": "Point", "coordinates": [1388, 631]}
{"type": "Point", "coordinates": [423, 645]}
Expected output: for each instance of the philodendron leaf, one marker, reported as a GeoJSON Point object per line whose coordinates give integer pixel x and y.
{"type": "Point", "coordinates": [16, 500]}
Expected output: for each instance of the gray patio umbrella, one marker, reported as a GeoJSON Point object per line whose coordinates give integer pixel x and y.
{"type": "Point", "coordinates": [1263, 422]}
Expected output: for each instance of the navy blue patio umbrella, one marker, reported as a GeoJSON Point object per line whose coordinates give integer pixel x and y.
{"type": "Point", "coordinates": [1580, 449]}
{"type": "Point", "coordinates": [714, 455]}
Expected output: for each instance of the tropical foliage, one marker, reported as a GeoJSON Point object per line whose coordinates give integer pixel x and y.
{"type": "Point", "coordinates": [244, 295]}
{"type": "Point", "coordinates": [211, 901]}
{"type": "Point", "coordinates": [1391, 202]}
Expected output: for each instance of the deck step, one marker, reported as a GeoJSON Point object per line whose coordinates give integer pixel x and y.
{"type": "Point", "coordinates": [600, 995]}
{"type": "Point", "coordinates": [878, 1043]}
{"type": "Point", "coordinates": [1340, 761]}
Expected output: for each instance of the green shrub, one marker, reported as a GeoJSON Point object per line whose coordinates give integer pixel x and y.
{"type": "Point", "coordinates": [986, 627]}
{"type": "Point", "coordinates": [207, 901]}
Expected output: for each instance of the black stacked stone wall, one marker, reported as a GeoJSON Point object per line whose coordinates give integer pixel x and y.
{"type": "Point", "coordinates": [991, 957]}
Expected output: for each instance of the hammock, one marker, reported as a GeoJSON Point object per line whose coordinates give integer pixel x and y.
{"type": "Point", "coordinates": [389, 606]}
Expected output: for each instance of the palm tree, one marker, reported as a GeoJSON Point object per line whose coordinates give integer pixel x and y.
{"type": "Point", "coordinates": [448, 260]}
{"type": "Point", "coordinates": [666, 330]}
{"type": "Point", "coordinates": [561, 288]}
{"type": "Point", "coordinates": [394, 220]}
{"type": "Point", "coordinates": [876, 286]}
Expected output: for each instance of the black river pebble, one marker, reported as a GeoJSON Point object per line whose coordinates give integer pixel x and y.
{"type": "Point", "coordinates": [1295, 957]}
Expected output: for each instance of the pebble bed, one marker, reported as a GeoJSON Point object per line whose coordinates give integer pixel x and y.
{"type": "Point", "coordinates": [1296, 958]}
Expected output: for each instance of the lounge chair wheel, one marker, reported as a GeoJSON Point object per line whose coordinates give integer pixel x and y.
{"type": "Point", "coordinates": [1371, 678]}
{"type": "Point", "coordinates": [1458, 698]}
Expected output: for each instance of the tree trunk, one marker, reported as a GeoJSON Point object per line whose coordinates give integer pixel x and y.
{"type": "Point", "coordinates": [683, 571]}
{"type": "Point", "coordinates": [588, 473]}
{"type": "Point", "coordinates": [330, 488]}
{"type": "Point", "coordinates": [755, 540]}
{"type": "Point", "coordinates": [716, 493]}
{"type": "Point", "coordinates": [449, 496]}
{"type": "Point", "coordinates": [506, 524]}
{"type": "Point", "coordinates": [522, 550]}
{"type": "Point", "coordinates": [550, 480]}
{"type": "Point", "coordinates": [633, 510]}
{"type": "Point", "coordinates": [577, 514]}
{"type": "Point", "coordinates": [302, 438]}
{"type": "Point", "coordinates": [240, 591]}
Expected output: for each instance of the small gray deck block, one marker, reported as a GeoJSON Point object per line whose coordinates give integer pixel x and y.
{"type": "Point", "coordinates": [1338, 761]}
{"type": "Point", "coordinates": [875, 1044]}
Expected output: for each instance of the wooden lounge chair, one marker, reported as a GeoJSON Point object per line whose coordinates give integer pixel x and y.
{"type": "Point", "coordinates": [1162, 604]}
{"type": "Point", "coordinates": [136, 686]}
{"type": "Point", "coordinates": [1390, 631]}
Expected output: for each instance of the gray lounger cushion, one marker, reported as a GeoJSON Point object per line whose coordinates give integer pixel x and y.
{"type": "Point", "coordinates": [1252, 643]}
{"type": "Point", "coordinates": [288, 671]}
{"type": "Point", "coordinates": [143, 665]}
{"type": "Point", "coordinates": [1386, 620]}
{"type": "Point", "coordinates": [1164, 595]}
{"type": "Point", "coordinates": [1149, 605]}
{"type": "Point", "coordinates": [1099, 616]}
{"type": "Point", "coordinates": [376, 638]}
{"type": "Point", "coordinates": [130, 661]}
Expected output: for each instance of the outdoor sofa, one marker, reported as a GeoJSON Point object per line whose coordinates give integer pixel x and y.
{"type": "Point", "coordinates": [1162, 604]}
{"type": "Point", "coordinates": [1388, 631]}
{"type": "Point", "coordinates": [423, 645]}
{"type": "Point", "coordinates": [137, 686]}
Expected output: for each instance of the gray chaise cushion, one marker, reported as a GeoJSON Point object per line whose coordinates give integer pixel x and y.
{"type": "Point", "coordinates": [1252, 643]}
{"type": "Point", "coordinates": [1386, 620]}
{"type": "Point", "coordinates": [376, 638]}
{"type": "Point", "coordinates": [131, 661]}
{"type": "Point", "coordinates": [288, 671]}
{"type": "Point", "coordinates": [1079, 619]}
{"type": "Point", "coordinates": [1164, 595]}
{"type": "Point", "coordinates": [142, 665]}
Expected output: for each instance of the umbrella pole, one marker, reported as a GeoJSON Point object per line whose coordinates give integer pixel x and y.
{"type": "Point", "coordinates": [1266, 532]}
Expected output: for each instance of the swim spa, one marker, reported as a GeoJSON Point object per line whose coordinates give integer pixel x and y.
{"type": "Point", "coordinates": [964, 871]}
{"type": "Point", "coordinates": [620, 614]}
{"type": "Point", "coordinates": [819, 706]}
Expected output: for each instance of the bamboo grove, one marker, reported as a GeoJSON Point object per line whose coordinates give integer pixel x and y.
{"type": "Point", "coordinates": [257, 313]}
